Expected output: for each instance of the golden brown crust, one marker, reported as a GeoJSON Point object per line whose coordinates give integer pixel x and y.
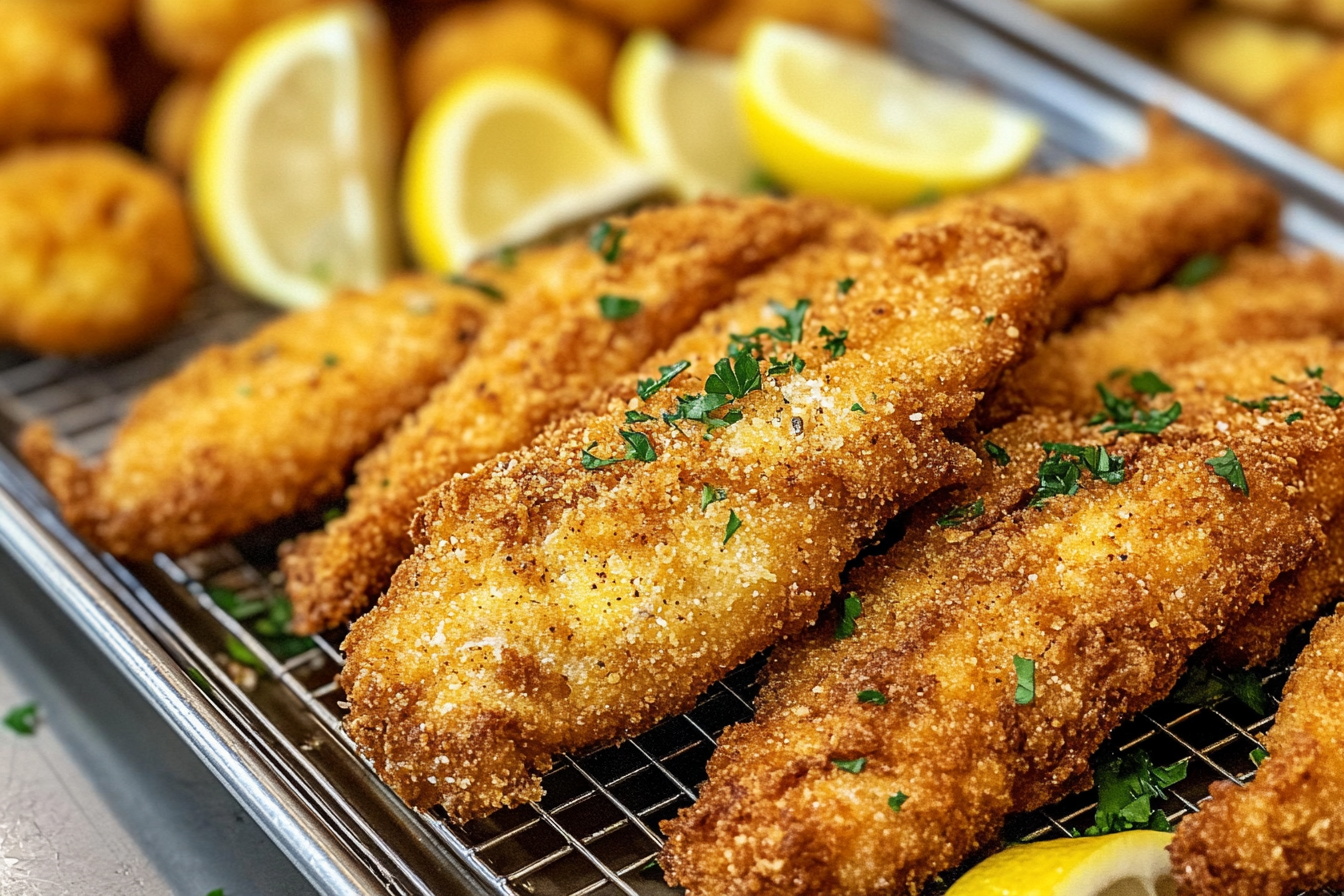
{"type": "Point", "coordinates": [1284, 832]}
{"type": "Point", "coordinates": [1107, 591]}
{"type": "Point", "coordinates": [549, 349]}
{"type": "Point", "coordinates": [1310, 111]}
{"type": "Point", "coordinates": [96, 254]}
{"type": "Point", "coordinates": [199, 35]}
{"type": "Point", "coordinates": [548, 607]}
{"type": "Point", "coordinates": [97, 17]}
{"type": "Point", "coordinates": [247, 433]}
{"type": "Point", "coordinates": [724, 30]}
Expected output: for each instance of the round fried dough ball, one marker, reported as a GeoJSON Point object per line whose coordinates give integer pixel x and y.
{"type": "Point", "coordinates": [646, 13]}
{"type": "Point", "coordinates": [100, 17]}
{"type": "Point", "coordinates": [1310, 111]}
{"type": "Point", "coordinates": [524, 33]}
{"type": "Point", "coordinates": [171, 132]}
{"type": "Point", "coordinates": [724, 31]}
{"type": "Point", "coordinates": [200, 34]}
{"type": "Point", "coordinates": [95, 251]}
{"type": "Point", "coordinates": [55, 81]}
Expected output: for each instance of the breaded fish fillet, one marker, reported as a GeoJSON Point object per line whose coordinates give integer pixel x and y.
{"type": "Point", "coordinates": [1284, 832]}
{"type": "Point", "coordinates": [247, 433]}
{"type": "Point", "coordinates": [558, 599]}
{"type": "Point", "coordinates": [549, 349]}
{"type": "Point", "coordinates": [1103, 593]}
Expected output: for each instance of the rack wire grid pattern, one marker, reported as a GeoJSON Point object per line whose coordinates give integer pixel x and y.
{"type": "Point", "coordinates": [595, 833]}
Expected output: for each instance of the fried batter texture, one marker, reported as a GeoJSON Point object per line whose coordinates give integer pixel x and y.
{"type": "Point", "coordinates": [247, 433]}
{"type": "Point", "coordinates": [549, 349]}
{"type": "Point", "coordinates": [1284, 832]}
{"type": "Point", "coordinates": [548, 607]}
{"type": "Point", "coordinates": [1106, 592]}
{"type": "Point", "coordinates": [198, 35]}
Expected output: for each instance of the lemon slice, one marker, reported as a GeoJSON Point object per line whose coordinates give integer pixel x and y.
{"type": "Point", "coordinates": [678, 109]}
{"type": "Point", "coordinates": [504, 157]}
{"type": "Point", "coordinates": [294, 167]}
{"type": "Point", "coordinates": [1134, 863]}
{"type": "Point", "coordinates": [829, 116]}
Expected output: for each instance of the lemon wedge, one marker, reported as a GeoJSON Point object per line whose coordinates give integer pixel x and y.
{"type": "Point", "coordinates": [829, 116]}
{"type": "Point", "coordinates": [503, 157]}
{"type": "Point", "coordinates": [678, 109]}
{"type": "Point", "coordinates": [1134, 863]}
{"type": "Point", "coordinates": [294, 168]}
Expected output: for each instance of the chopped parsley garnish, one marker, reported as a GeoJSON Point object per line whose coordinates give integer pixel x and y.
{"type": "Point", "coordinates": [792, 331]}
{"type": "Point", "coordinates": [1315, 373]}
{"type": "Point", "coordinates": [507, 257]}
{"type": "Point", "coordinates": [199, 680]}
{"type": "Point", "coordinates": [1260, 405]}
{"type": "Point", "coordinates": [22, 719]}
{"type": "Point", "coordinates": [1126, 416]}
{"type": "Point", "coordinates": [1148, 383]}
{"type": "Point", "coordinates": [1063, 466]}
{"type": "Point", "coordinates": [218, 892]}
{"type": "Point", "coordinates": [999, 456]}
{"type": "Point", "coordinates": [843, 287]}
{"type": "Point", "coordinates": [1026, 681]}
{"type": "Point", "coordinates": [760, 181]}
{"type": "Point", "coordinates": [877, 698]}
{"type": "Point", "coordinates": [857, 408]}
{"type": "Point", "coordinates": [331, 513]}
{"type": "Point", "coordinates": [268, 617]}
{"type": "Point", "coordinates": [1201, 686]}
{"type": "Point", "coordinates": [963, 514]}
{"type": "Point", "coordinates": [1331, 398]}
{"type": "Point", "coordinates": [1197, 270]}
{"type": "Point", "coordinates": [926, 196]}
{"type": "Point", "coordinates": [637, 447]}
{"type": "Point", "coordinates": [853, 766]}
{"type": "Point", "coordinates": [990, 319]}
{"type": "Point", "coordinates": [618, 307]}
{"type": "Point", "coordinates": [734, 523]}
{"type": "Point", "coordinates": [711, 495]}
{"type": "Point", "coordinates": [637, 417]}
{"type": "Point", "coordinates": [1150, 422]}
{"type": "Point", "coordinates": [648, 388]}
{"type": "Point", "coordinates": [697, 408]}
{"type": "Point", "coordinates": [1259, 755]}
{"type": "Point", "coordinates": [330, 360]}
{"type": "Point", "coordinates": [1293, 417]}
{"type": "Point", "coordinates": [894, 803]}
{"type": "Point", "coordinates": [240, 653]}
{"type": "Point", "coordinates": [835, 342]}
{"type": "Point", "coordinates": [591, 461]}
{"type": "Point", "coordinates": [605, 240]}
{"type": "Point", "coordinates": [1228, 466]}
{"type": "Point", "coordinates": [1126, 786]}
{"type": "Point", "coordinates": [736, 375]}
{"type": "Point", "coordinates": [792, 364]}
{"type": "Point", "coordinates": [489, 290]}
{"type": "Point", "coordinates": [850, 611]}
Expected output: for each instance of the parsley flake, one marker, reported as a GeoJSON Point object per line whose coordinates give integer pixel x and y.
{"type": "Point", "coordinates": [851, 610]}
{"type": "Point", "coordinates": [857, 408]}
{"type": "Point", "coordinates": [507, 257]}
{"type": "Point", "coordinates": [22, 719]}
{"type": "Point", "coordinates": [1259, 755]}
{"type": "Point", "coordinates": [1331, 398]}
{"type": "Point", "coordinates": [990, 319]}
{"type": "Point", "coordinates": [648, 388]}
{"type": "Point", "coordinates": [734, 523]}
{"type": "Point", "coordinates": [1026, 681]}
{"type": "Point", "coordinates": [605, 240]}
{"type": "Point", "coordinates": [835, 343]}
{"type": "Point", "coordinates": [999, 456]}
{"type": "Point", "coordinates": [1126, 416]}
{"type": "Point", "coordinates": [843, 287]}
{"type": "Point", "coordinates": [1063, 466]}
{"type": "Point", "coordinates": [894, 803]}
{"type": "Point", "coordinates": [241, 653]}
{"type": "Point", "coordinates": [792, 331]}
{"type": "Point", "coordinates": [1197, 270]}
{"type": "Point", "coordinates": [711, 495]}
{"type": "Point", "coordinates": [218, 892]}
{"type": "Point", "coordinates": [877, 698]}
{"type": "Point", "coordinates": [637, 446]}
{"type": "Point", "coordinates": [963, 514]}
{"type": "Point", "coordinates": [1260, 405]}
{"type": "Point", "coordinates": [1293, 417]}
{"type": "Point", "coordinates": [1126, 787]}
{"type": "Point", "coordinates": [736, 375]}
{"type": "Point", "coordinates": [591, 461]}
{"type": "Point", "coordinates": [268, 617]}
{"type": "Point", "coordinates": [331, 513]}
{"type": "Point", "coordinates": [489, 290]}
{"type": "Point", "coordinates": [853, 766]}
{"type": "Point", "coordinates": [1149, 422]}
{"type": "Point", "coordinates": [637, 417]}
{"type": "Point", "coordinates": [1228, 466]}
{"type": "Point", "coordinates": [1201, 686]}
{"type": "Point", "coordinates": [1315, 373]}
{"type": "Point", "coordinates": [793, 364]}
{"type": "Point", "coordinates": [1148, 383]}
{"type": "Point", "coordinates": [618, 307]}
{"type": "Point", "coordinates": [330, 360]}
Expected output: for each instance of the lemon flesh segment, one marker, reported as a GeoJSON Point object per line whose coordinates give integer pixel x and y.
{"type": "Point", "coordinates": [678, 109]}
{"type": "Point", "coordinates": [1133, 863]}
{"type": "Point", "coordinates": [505, 157]}
{"type": "Point", "coordinates": [829, 116]}
{"type": "Point", "coordinates": [294, 172]}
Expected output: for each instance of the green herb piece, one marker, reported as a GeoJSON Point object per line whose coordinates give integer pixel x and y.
{"type": "Point", "coordinates": [245, 391]}
{"type": "Point", "coordinates": [1126, 786]}
{"type": "Point", "coordinates": [989, 320]}
{"type": "Point", "coordinates": [1026, 681]}
{"type": "Point", "coordinates": [926, 196]}
{"type": "Point", "coordinates": [489, 290]}
{"type": "Point", "coordinates": [760, 181]}
{"type": "Point", "coordinates": [591, 461]}
{"type": "Point", "coordinates": [793, 364]}
{"type": "Point", "coordinates": [637, 417]}
{"type": "Point", "coordinates": [850, 611]}
{"type": "Point", "coordinates": [1114, 408]}
{"type": "Point", "coordinates": [877, 698]}
{"type": "Point", "coordinates": [330, 360]}
{"type": "Point", "coordinates": [894, 803]}
{"type": "Point", "coordinates": [857, 408]}
{"type": "Point", "coordinates": [1150, 422]}
{"type": "Point", "coordinates": [219, 892]}
{"type": "Point", "coordinates": [648, 388]}
{"type": "Point", "coordinates": [711, 495]}
{"type": "Point", "coordinates": [792, 331]}
{"type": "Point", "coordinates": [1117, 373]}
{"type": "Point", "coordinates": [1125, 415]}
{"type": "Point", "coordinates": [637, 446]}
{"type": "Point", "coordinates": [1315, 373]}
{"type": "Point", "coordinates": [239, 652]}
{"type": "Point", "coordinates": [734, 523]}
{"type": "Point", "coordinates": [1201, 686]}
{"type": "Point", "coordinates": [268, 617]}
{"type": "Point", "coordinates": [1331, 398]}
{"type": "Point", "coordinates": [236, 606]}
{"type": "Point", "coordinates": [507, 257]}
{"type": "Point", "coordinates": [736, 375]}
{"type": "Point", "coordinates": [843, 287]}
{"type": "Point", "coordinates": [835, 343]}
{"type": "Point", "coordinates": [1228, 467]}
{"type": "Point", "coordinates": [963, 514]}
{"type": "Point", "coordinates": [331, 513]}
{"type": "Point", "coordinates": [1148, 383]}
{"type": "Point", "coordinates": [22, 719]}
{"type": "Point", "coordinates": [998, 455]}
{"type": "Point", "coordinates": [853, 766]}
{"type": "Point", "coordinates": [199, 680]}
{"type": "Point", "coordinates": [1060, 472]}
{"type": "Point", "coordinates": [1197, 270]}
{"type": "Point", "coordinates": [618, 307]}
{"type": "Point", "coordinates": [1259, 755]}
{"type": "Point", "coordinates": [1293, 417]}
{"type": "Point", "coordinates": [1260, 405]}
{"type": "Point", "coordinates": [320, 271]}
{"type": "Point", "coordinates": [605, 240]}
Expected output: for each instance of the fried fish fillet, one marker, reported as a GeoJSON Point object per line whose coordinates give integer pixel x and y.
{"type": "Point", "coordinates": [1284, 832]}
{"type": "Point", "coordinates": [247, 433]}
{"type": "Point", "coordinates": [549, 606]}
{"type": "Point", "coordinates": [550, 348]}
{"type": "Point", "coordinates": [1105, 593]}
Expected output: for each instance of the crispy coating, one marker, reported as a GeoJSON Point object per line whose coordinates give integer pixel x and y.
{"type": "Point", "coordinates": [55, 81]}
{"type": "Point", "coordinates": [549, 350]}
{"type": "Point", "coordinates": [247, 433]}
{"type": "Point", "coordinates": [1129, 20]}
{"type": "Point", "coordinates": [1310, 111]}
{"type": "Point", "coordinates": [724, 30]}
{"type": "Point", "coordinates": [632, 14]}
{"type": "Point", "coordinates": [199, 35]}
{"type": "Point", "coordinates": [548, 607]}
{"type": "Point", "coordinates": [97, 17]}
{"type": "Point", "coordinates": [170, 134]}
{"type": "Point", "coordinates": [1107, 592]}
{"type": "Point", "coordinates": [1284, 832]}
{"type": "Point", "coordinates": [527, 34]}
{"type": "Point", "coordinates": [96, 253]}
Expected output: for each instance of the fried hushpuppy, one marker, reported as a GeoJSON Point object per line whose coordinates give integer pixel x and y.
{"type": "Point", "coordinates": [1103, 593]}
{"type": "Point", "coordinates": [1310, 111]}
{"type": "Point", "coordinates": [582, 588]}
{"type": "Point", "coordinates": [55, 81]}
{"type": "Point", "coordinates": [97, 17]}
{"type": "Point", "coordinates": [198, 35]}
{"type": "Point", "coordinates": [1283, 832]}
{"type": "Point", "coordinates": [247, 433]}
{"type": "Point", "coordinates": [529, 34]}
{"type": "Point", "coordinates": [632, 14]}
{"type": "Point", "coordinates": [170, 134]}
{"type": "Point", "coordinates": [726, 26]}
{"type": "Point", "coordinates": [96, 253]}
{"type": "Point", "coordinates": [1327, 14]}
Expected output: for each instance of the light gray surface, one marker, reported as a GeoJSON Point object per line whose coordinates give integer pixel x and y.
{"type": "Point", "coordinates": [105, 799]}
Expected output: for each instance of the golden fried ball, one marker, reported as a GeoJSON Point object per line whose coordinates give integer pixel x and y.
{"type": "Point", "coordinates": [1142, 21]}
{"type": "Point", "coordinates": [200, 34]}
{"type": "Point", "coordinates": [724, 31]}
{"type": "Point", "coordinates": [100, 17]}
{"type": "Point", "coordinates": [55, 81]}
{"type": "Point", "coordinates": [95, 251]}
{"type": "Point", "coordinates": [524, 33]}
{"type": "Point", "coordinates": [171, 132]}
{"type": "Point", "coordinates": [1310, 111]}
{"type": "Point", "coordinates": [646, 13]}
{"type": "Point", "coordinates": [1327, 14]}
